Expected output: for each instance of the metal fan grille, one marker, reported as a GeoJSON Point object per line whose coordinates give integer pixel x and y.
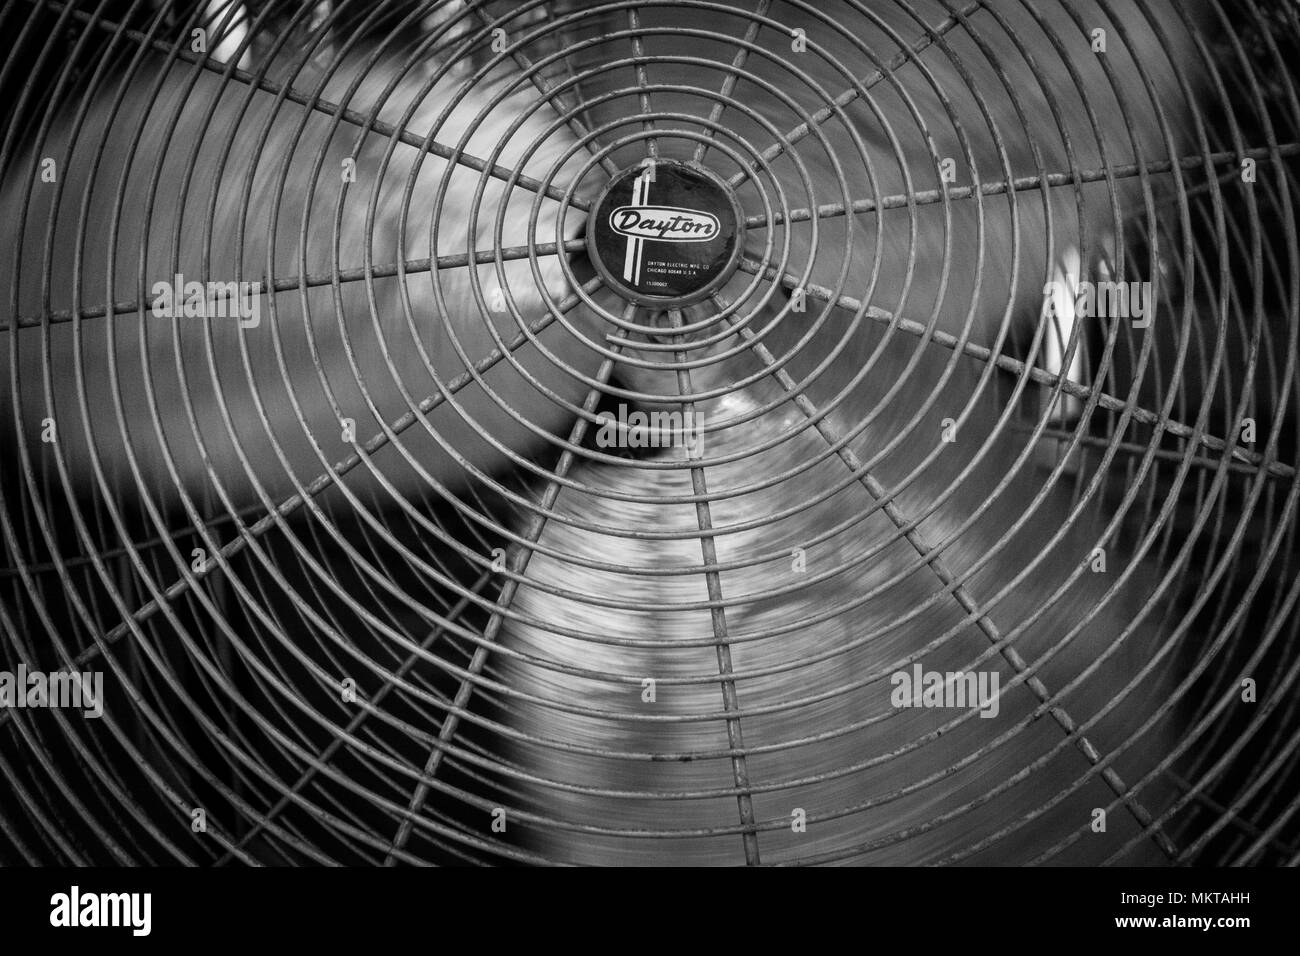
{"type": "Point", "coordinates": [225, 674]}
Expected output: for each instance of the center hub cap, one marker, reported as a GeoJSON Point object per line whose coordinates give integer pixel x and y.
{"type": "Point", "coordinates": [665, 233]}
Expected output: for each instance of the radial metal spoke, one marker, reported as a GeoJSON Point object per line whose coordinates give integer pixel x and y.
{"type": "Point", "coordinates": [315, 279]}
{"type": "Point", "coordinates": [1063, 436]}
{"type": "Point", "coordinates": [327, 754]}
{"type": "Point", "coordinates": [518, 565]}
{"type": "Point", "coordinates": [322, 481]}
{"type": "Point", "coordinates": [733, 77]}
{"type": "Point", "coordinates": [718, 614]}
{"type": "Point", "coordinates": [642, 81]}
{"type": "Point", "coordinates": [950, 581]}
{"type": "Point", "coordinates": [805, 129]}
{"type": "Point", "coordinates": [1235, 818]}
{"type": "Point", "coordinates": [350, 116]}
{"type": "Point", "coordinates": [1033, 373]}
{"type": "Point", "coordinates": [1020, 184]}
{"type": "Point", "coordinates": [107, 554]}
{"type": "Point", "coordinates": [576, 126]}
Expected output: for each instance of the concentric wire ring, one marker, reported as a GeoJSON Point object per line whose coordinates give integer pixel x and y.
{"type": "Point", "coordinates": [363, 649]}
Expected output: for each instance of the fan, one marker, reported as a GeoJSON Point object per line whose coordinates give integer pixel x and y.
{"type": "Point", "coordinates": [695, 432]}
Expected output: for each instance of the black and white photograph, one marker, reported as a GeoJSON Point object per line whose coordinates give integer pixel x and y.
{"type": "Point", "coordinates": [633, 434]}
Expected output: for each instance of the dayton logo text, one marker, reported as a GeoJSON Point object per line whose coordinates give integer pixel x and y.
{"type": "Point", "coordinates": [666, 223]}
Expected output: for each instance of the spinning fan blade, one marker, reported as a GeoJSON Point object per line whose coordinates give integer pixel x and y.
{"type": "Point", "coordinates": [681, 384]}
{"type": "Point", "coordinates": [822, 591]}
{"type": "Point", "coordinates": [193, 183]}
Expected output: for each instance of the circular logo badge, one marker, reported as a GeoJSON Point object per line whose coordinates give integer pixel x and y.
{"type": "Point", "coordinates": [665, 233]}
